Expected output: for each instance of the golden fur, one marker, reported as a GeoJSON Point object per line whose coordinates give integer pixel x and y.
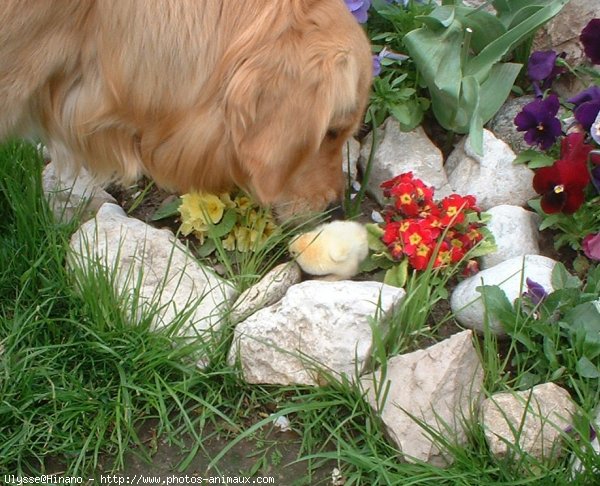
{"type": "Point", "coordinates": [197, 94]}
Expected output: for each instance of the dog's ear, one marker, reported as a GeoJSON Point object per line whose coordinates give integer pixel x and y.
{"type": "Point", "coordinates": [274, 121]}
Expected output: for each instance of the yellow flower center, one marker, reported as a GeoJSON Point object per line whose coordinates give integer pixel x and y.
{"type": "Point", "coordinates": [422, 250]}
{"type": "Point", "coordinates": [558, 189]}
{"type": "Point", "coordinates": [405, 199]}
{"type": "Point", "coordinates": [414, 239]}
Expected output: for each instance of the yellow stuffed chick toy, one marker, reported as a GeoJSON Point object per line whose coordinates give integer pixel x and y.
{"type": "Point", "coordinates": [333, 250]}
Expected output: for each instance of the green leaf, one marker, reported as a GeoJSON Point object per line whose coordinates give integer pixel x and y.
{"type": "Point", "coordinates": [533, 159]}
{"type": "Point", "coordinates": [225, 225]}
{"type": "Point", "coordinates": [549, 220]}
{"type": "Point", "coordinates": [206, 249]}
{"type": "Point", "coordinates": [592, 285]}
{"type": "Point", "coordinates": [437, 56]}
{"type": "Point", "coordinates": [441, 17]}
{"type": "Point", "coordinates": [483, 248]}
{"type": "Point", "coordinates": [374, 234]}
{"type": "Point", "coordinates": [536, 205]}
{"type": "Point", "coordinates": [558, 373]}
{"type": "Point", "coordinates": [397, 275]}
{"type": "Point", "coordinates": [549, 347]}
{"type": "Point", "coordinates": [167, 210]}
{"type": "Point", "coordinates": [485, 26]}
{"type": "Point", "coordinates": [562, 279]}
{"type": "Point", "coordinates": [584, 322]}
{"type": "Point", "coordinates": [496, 88]}
{"type": "Point", "coordinates": [586, 369]}
{"type": "Point", "coordinates": [497, 304]}
{"type": "Point", "coordinates": [401, 113]}
{"type": "Point", "coordinates": [481, 64]}
{"type": "Point", "coordinates": [517, 10]}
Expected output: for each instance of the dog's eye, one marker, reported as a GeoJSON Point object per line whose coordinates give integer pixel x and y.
{"type": "Point", "coordinates": [332, 134]}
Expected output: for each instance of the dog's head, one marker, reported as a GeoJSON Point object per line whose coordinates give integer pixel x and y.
{"type": "Point", "coordinates": [291, 103]}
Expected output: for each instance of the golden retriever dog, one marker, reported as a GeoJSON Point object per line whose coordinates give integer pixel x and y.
{"type": "Point", "coordinates": [196, 94]}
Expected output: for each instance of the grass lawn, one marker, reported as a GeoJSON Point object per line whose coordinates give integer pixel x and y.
{"type": "Point", "coordinates": [78, 380]}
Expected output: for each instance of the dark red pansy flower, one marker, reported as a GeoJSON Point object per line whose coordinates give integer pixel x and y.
{"type": "Point", "coordinates": [562, 184]}
{"type": "Point", "coordinates": [590, 39]}
{"type": "Point", "coordinates": [574, 148]}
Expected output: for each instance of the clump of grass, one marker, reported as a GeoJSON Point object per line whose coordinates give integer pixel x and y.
{"type": "Point", "coordinates": [77, 374]}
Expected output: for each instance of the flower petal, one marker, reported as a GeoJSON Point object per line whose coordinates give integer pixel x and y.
{"type": "Point", "coordinates": [545, 179]}
{"type": "Point", "coordinates": [591, 246]}
{"type": "Point", "coordinates": [587, 112]}
{"type": "Point", "coordinates": [590, 38]}
{"type": "Point", "coordinates": [588, 94]}
{"type": "Point", "coordinates": [541, 64]}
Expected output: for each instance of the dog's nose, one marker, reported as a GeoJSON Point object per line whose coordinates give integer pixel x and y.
{"type": "Point", "coordinates": [335, 212]}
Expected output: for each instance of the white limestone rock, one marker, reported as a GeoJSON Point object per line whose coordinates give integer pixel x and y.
{"type": "Point", "coordinates": [492, 178]}
{"type": "Point", "coordinates": [530, 422]}
{"type": "Point", "coordinates": [154, 264]}
{"type": "Point", "coordinates": [317, 324]}
{"type": "Point", "coordinates": [397, 152]}
{"type": "Point", "coordinates": [440, 385]}
{"type": "Point", "coordinates": [515, 232]}
{"type": "Point", "coordinates": [271, 288]}
{"type": "Point", "coordinates": [72, 194]}
{"type": "Point", "coordinates": [502, 125]}
{"type": "Point", "coordinates": [510, 276]}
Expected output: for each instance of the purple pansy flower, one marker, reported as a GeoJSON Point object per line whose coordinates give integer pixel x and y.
{"type": "Point", "coordinates": [587, 106]}
{"type": "Point", "coordinates": [590, 38]}
{"type": "Point", "coordinates": [542, 69]}
{"type": "Point", "coordinates": [385, 54]}
{"type": "Point", "coordinates": [538, 121]}
{"type": "Point", "coordinates": [541, 64]}
{"type": "Point", "coordinates": [591, 246]}
{"type": "Point", "coordinates": [535, 291]}
{"type": "Point", "coordinates": [359, 8]}
{"type": "Point", "coordinates": [376, 65]}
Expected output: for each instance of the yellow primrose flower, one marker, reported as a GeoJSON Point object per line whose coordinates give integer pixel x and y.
{"type": "Point", "coordinates": [186, 227]}
{"type": "Point", "coordinates": [201, 207]}
{"type": "Point", "coordinates": [200, 235]}
{"type": "Point", "coordinates": [245, 238]}
{"type": "Point", "coordinates": [190, 208]}
{"type": "Point", "coordinates": [213, 207]}
{"type": "Point", "coordinates": [244, 203]}
{"type": "Point", "coordinates": [251, 219]}
{"type": "Point", "coordinates": [270, 228]}
{"type": "Point", "coordinates": [226, 199]}
{"type": "Point", "coordinates": [199, 210]}
{"type": "Point", "coordinates": [229, 242]}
